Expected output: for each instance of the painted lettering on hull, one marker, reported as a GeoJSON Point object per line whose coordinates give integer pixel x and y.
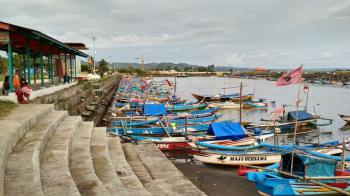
{"type": "Point", "coordinates": [242, 158]}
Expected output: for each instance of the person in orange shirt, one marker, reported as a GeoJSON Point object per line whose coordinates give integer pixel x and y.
{"type": "Point", "coordinates": [15, 80]}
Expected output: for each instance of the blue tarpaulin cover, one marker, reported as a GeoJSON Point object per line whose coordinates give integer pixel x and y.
{"type": "Point", "coordinates": [154, 109]}
{"type": "Point", "coordinates": [308, 165]}
{"type": "Point", "coordinates": [303, 115]}
{"type": "Point", "coordinates": [226, 130]}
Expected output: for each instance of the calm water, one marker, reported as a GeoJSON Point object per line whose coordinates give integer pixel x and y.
{"type": "Point", "coordinates": [328, 101]}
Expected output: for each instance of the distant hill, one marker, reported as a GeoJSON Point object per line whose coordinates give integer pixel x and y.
{"type": "Point", "coordinates": [160, 66]}
{"type": "Point", "coordinates": [186, 66]}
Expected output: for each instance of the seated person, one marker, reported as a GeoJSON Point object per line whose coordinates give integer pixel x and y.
{"type": "Point", "coordinates": [6, 86]}
{"type": "Point", "coordinates": [23, 92]}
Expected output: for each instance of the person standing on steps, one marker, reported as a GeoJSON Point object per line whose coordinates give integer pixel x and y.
{"type": "Point", "coordinates": [16, 80]}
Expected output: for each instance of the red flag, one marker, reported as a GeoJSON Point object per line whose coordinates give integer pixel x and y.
{"type": "Point", "coordinates": [291, 77]}
{"type": "Point", "coordinates": [168, 82]}
{"type": "Point", "coordinates": [144, 85]}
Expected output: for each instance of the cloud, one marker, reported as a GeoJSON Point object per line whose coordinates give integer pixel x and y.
{"type": "Point", "coordinates": [251, 33]}
{"type": "Point", "coordinates": [233, 59]}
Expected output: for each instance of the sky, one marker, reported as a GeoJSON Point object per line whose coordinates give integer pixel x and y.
{"type": "Point", "coordinates": [239, 33]}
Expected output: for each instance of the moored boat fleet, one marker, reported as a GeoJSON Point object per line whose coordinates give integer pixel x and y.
{"type": "Point", "coordinates": [149, 111]}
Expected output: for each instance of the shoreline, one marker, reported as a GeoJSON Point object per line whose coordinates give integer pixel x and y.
{"type": "Point", "coordinates": [216, 180]}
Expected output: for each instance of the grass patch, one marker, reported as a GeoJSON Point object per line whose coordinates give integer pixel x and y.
{"type": "Point", "coordinates": [86, 85]}
{"type": "Point", "coordinates": [6, 107]}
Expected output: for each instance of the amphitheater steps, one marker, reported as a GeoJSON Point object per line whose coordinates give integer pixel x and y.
{"type": "Point", "coordinates": [167, 176]}
{"type": "Point", "coordinates": [55, 175]}
{"type": "Point", "coordinates": [141, 171]}
{"type": "Point", "coordinates": [81, 165]}
{"type": "Point", "coordinates": [122, 167]}
{"type": "Point", "coordinates": [14, 126]}
{"type": "Point", "coordinates": [47, 152]}
{"type": "Point", "coordinates": [103, 165]}
{"type": "Point", "coordinates": [23, 167]}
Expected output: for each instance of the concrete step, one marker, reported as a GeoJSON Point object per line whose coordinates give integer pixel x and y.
{"type": "Point", "coordinates": [122, 167]}
{"type": "Point", "coordinates": [167, 176]}
{"type": "Point", "coordinates": [14, 126]}
{"type": "Point", "coordinates": [81, 165]}
{"type": "Point", "coordinates": [141, 171]}
{"type": "Point", "coordinates": [23, 167]}
{"type": "Point", "coordinates": [103, 166]}
{"type": "Point", "coordinates": [55, 175]}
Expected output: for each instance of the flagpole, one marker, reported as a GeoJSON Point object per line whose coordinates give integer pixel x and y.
{"type": "Point", "coordinates": [296, 125]}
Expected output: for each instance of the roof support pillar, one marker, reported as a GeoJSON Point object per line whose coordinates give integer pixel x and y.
{"type": "Point", "coordinates": [75, 67]}
{"type": "Point", "coordinates": [71, 67]}
{"type": "Point", "coordinates": [50, 66]}
{"type": "Point", "coordinates": [28, 60]}
{"type": "Point", "coordinates": [41, 69]}
{"type": "Point", "coordinates": [65, 68]}
{"type": "Point", "coordinates": [34, 67]}
{"type": "Point", "coordinates": [10, 62]}
{"type": "Point", "coordinates": [60, 67]}
{"type": "Point", "coordinates": [24, 66]}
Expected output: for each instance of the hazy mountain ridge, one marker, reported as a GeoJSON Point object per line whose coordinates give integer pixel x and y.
{"type": "Point", "coordinates": [182, 66]}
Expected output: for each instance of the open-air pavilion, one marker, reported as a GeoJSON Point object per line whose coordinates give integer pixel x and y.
{"type": "Point", "coordinates": [37, 48]}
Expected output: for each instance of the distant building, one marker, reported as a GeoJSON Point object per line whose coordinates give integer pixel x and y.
{"type": "Point", "coordinates": [79, 46]}
{"type": "Point", "coordinates": [261, 70]}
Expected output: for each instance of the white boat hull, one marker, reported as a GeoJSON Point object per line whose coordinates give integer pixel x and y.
{"type": "Point", "coordinates": [225, 105]}
{"type": "Point", "coordinates": [239, 159]}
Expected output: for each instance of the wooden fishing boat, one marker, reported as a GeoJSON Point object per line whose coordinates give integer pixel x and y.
{"type": "Point", "coordinates": [287, 124]}
{"type": "Point", "coordinates": [206, 119]}
{"type": "Point", "coordinates": [165, 143]}
{"type": "Point", "coordinates": [234, 158]}
{"type": "Point", "coordinates": [159, 131]}
{"type": "Point", "coordinates": [219, 97]}
{"type": "Point", "coordinates": [244, 98]}
{"type": "Point", "coordinates": [310, 176]}
{"type": "Point", "coordinates": [256, 104]}
{"type": "Point", "coordinates": [346, 118]}
{"type": "Point", "coordinates": [231, 136]}
{"type": "Point", "coordinates": [205, 111]}
{"type": "Point", "coordinates": [134, 123]}
{"type": "Point", "coordinates": [246, 141]}
{"type": "Point", "coordinates": [185, 107]}
{"type": "Point", "coordinates": [224, 105]}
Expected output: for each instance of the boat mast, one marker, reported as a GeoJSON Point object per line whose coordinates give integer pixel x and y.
{"type": "Point", "coordinates": [306, 90]}
{"type": "Point", "coordinates": [174, 96]}
{"type": "Point", "coordinates": [296, 127]}
{"type": "Point", "coordinates": [240, 104]}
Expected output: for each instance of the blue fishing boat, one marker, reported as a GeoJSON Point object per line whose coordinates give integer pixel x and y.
{"type": "Point", "coordinates": [205, 111]}
{"type": "Point", "coordinates": [185, 107]}
{"type": "Point", "coordinates": [135, 123]}
{"type": "Point", "coordinates": [310, 176]}
{"type": "Point", "coordinates": [159, 131]}
{"type": "Point", "coordinates": [196, 120]}
{"type": "Point", "coordinates": [229, 135]}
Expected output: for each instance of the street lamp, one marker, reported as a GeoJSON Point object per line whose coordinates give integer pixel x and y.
{"type": "Point", "coordinates": [93, 38]}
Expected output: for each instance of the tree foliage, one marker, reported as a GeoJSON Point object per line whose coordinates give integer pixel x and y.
{"type": "Point", "coordinates": [102, 67]}
{"type": "Point", "coordinates": [85, 67]}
